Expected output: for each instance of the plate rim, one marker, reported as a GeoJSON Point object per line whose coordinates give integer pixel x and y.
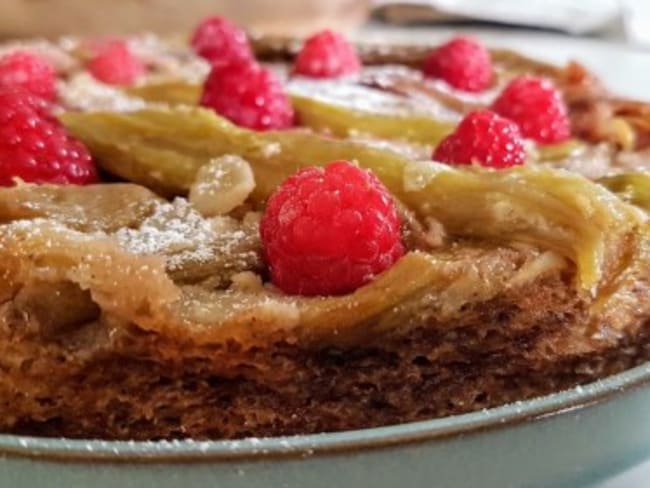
{"type": "Point", "coordinates": [505, 416]}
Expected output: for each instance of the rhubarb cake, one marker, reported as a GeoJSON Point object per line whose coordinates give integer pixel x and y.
{"type": "Point", "coordinates": [238, 236]}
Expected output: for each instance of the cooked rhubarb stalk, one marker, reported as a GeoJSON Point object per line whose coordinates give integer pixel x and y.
{"type": "Point", "coordinates": [548, 208]}
{"type": "Point", "coordinates": [552, 209]}
{"type": "Point", "coordinates": [347, 121]}
{"type": "Point", "coordinates": [368, 111]}
{"type": "Point", "coordinates": [632, 187]}
{"type": "Point", "coordinates": [171, 92]}
{"type": "Point", "coordinates": [554, 152]}
{"type": "Point", "coordinates": [164, 148]}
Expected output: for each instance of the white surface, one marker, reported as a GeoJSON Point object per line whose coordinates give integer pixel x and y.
{"type": "Point", "coordinates": [636, 20]}
{"type": "Point", "coordinates": [638, 477]}
{"type": "Point", "coordinates": [575, 16]}
{"type": "Point", "coordinates": [624, 69]}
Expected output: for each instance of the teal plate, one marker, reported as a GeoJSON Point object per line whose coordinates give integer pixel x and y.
{"type": "Point", "coordinates": [573, 438]}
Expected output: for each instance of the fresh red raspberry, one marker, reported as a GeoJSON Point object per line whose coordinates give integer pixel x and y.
{"type": "Point", "coordinates": [115, 64]}
{"type": "Point", "coordinates": [484, 138]}
{"type": "Point", "coordinates": [35, 147]}
{"type": "Point", "coordinates": [221, 42]}
{"type": "Point", "coordinates": [327, 54]}
{"type": "Point", "coordinates": [327, 231]}
{"type": "Point", "coordinates": [15, 96]}
{"type": "Point", "coordinates": [463, 62]}
{"type": "Point", "coordinates": [537, 107]}
{"type": "Point", "coordinates": [249, 95]}
{"type": "Point", "coordinates": [30, 72]}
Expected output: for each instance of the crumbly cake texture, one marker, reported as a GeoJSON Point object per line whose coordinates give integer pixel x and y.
{"type": "Point", "coordinates": [129, 315]}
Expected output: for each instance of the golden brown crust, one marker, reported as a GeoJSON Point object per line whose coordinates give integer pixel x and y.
{"type": "Point", "coordinates": [96, 341]}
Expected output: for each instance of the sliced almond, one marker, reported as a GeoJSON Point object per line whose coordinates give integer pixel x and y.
{"type": "Point", "coordinates": [221, 185]}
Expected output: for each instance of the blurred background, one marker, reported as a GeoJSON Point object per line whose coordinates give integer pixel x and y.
{"type": "Point", "coordinates": [626, 20]}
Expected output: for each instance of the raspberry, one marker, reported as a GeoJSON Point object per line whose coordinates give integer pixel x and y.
{"type": "Point", "coordinates": [327, 54]}
{"type": "Point", "coordinates": [115, 64]}
{"type": "Point", "coordinates": [11, 96]}
{"type": "Point", "coordinates": [248, 95]}
{"type": "Point", "coordinates": [29, 71]}
{"type": "Point", "coordinates": [463, 62]}
{"type": "Point", "coordinates": [327, 231]}
{"type": "Point", "coordinates": [537, 107]}
{"type": "Point", "coordinates": [35, 147]}
{"type": "Point", "coordinates": [485, 138]}
{"type": "Point", "coordinates": [221, 42]}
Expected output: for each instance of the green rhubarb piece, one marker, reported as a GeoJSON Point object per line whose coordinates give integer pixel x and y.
{"type": "Point", "coordinates": [632, 187]}
{"type": "Point", "coordinates": [163, 148]}
{"type": "Point", "coordinates": [171, 92]}
{"type": "Point", "coordinates": [346, 121]}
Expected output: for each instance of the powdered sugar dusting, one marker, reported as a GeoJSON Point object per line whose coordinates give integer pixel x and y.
{"type": "Point", "coordinates": [39, 227]}
{"type": "Point", "coordinates": [195, 249]}
{"type": "Point", "coordinates": [58, 55]}
{"type": "Point", "coordinates": [272, 149]}
{"type": "Point", "coordinates": [175, 230]}
{"type": "Point", "coordinates": [83, 92]}
{"type": "Point", "coordinates": [179, 233]}
{"type": "Point", "coordinates": [367, 99]}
